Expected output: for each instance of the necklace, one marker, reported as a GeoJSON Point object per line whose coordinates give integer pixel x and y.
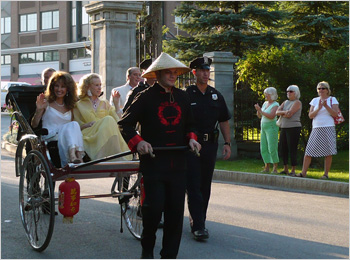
{"type": "Point", "coordinates": [60, 105]}
{"type": "Point", "coordinates": [95, 103]}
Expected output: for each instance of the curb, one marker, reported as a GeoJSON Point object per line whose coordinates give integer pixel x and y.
{"type": "Point", "coordinates": [9, 147]}
{"type": "Point", "coordinates": [272, 181]}
{"type": "Point", "coordinates": [284, 182]}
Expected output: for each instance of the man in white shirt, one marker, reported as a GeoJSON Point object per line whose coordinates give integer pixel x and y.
{"type": "Point", "coordinates": [133, 77]}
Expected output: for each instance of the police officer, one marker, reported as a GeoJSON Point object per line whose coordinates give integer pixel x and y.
{"type": "Point", "coordinates": [209, 110]}
{"type": "Point", "coordinates": [164, 113]}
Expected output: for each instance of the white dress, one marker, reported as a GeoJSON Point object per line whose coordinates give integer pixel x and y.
{"type": "Point", "coordinates": [61, 128]}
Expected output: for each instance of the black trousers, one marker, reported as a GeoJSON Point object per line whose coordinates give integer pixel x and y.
{"type": "Point", "coordinates": [288, 146]}
{"type": "Point", "coordinates": [199, 176]}
{"type": "Point", "coordinates": [163, 193]}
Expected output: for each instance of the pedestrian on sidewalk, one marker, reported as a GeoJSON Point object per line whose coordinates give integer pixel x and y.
{"type": "Point", "coordinates": [269, 129]}
{"type": "Point", "coordinates": [290, 111]}
{"type": "Point", "coordinates": [323, 139]}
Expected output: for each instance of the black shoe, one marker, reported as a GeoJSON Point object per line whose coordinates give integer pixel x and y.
{"type": "Point", "coordinates": [201, 234]}
{"type": "Point", "coordinates": [146, 255]}
{"type": "Point", "coordinates": [160, 224]}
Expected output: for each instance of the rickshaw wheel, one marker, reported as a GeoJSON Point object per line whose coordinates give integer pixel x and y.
{"type": "Point", "coordinates": [131, 207]}
{"type": "Point", "coordinates": [36, 200]}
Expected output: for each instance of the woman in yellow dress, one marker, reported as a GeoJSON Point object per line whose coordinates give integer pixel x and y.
{"type": "Point", "coordinates": [98, 120]}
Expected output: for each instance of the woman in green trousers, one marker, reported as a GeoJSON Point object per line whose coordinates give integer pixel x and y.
{"type": "Point", "coordinates": [269, 129]}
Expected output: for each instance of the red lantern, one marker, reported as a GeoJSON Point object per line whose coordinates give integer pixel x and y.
{"type": "Point", "coordinates": [68, 201]}
{"type": "Point", "coordinates": [142, 192]}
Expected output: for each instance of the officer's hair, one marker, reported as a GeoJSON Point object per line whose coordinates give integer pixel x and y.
{"type": "Point", "coordinates": [272, 92]}
{"type": "Point", "coordinates": [130, 71]}
{"type": "Point", "coordinates": [296, 90]}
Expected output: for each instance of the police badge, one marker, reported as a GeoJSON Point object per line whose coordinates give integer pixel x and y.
{"type": "Point", "coordinates": [214, 97]}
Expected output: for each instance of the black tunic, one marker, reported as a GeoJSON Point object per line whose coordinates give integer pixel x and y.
{"type": "Point", "coordinates": [165, 122]}
{"type": "Point", "coordinates": [141, 87]}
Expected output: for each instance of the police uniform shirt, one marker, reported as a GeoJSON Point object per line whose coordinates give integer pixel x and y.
{"type": "Point", "coordinates": [165, 121]}
{"type": "Point", "coordinates": [208, 108]}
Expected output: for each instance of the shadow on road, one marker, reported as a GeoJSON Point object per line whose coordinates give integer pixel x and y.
{"type": "Point", "coordinates": [95, 234]}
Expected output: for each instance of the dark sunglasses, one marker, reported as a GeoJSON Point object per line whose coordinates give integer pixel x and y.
{"type": "Point", "coordinates": [322, 88]}
{"type": "Point", "coordinates": [291, 91]}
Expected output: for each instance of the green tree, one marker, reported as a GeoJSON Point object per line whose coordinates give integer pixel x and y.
{"type": "Point", "coordinates": [281, 67]}
{"type": "Point", "coordinates": [317, 25]}
{"type": "Point", "coordinates": [233, 26]}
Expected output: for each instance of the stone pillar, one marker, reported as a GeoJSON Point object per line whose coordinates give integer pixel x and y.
{"type": "Point", "coordinates": [113, 41]}
{"type": "Point", "coordinates": [221, 73]}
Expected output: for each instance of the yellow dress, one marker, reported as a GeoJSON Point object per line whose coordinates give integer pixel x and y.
{"type": "Point", "coordinates": [103, 138]}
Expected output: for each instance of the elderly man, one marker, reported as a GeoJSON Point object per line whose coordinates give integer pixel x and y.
{"type": "Point", "coordinates": [133, 77]}
{"type": "Point", "coordinates": [46, 75]}
{"type": "Point", "coordinates": [142, 85]}
{"type": "Point", "coordinates": [164, 113]}
{"type": "Point", "coordinates": [209, 110]}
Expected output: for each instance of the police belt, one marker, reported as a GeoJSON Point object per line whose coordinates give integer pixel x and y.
{"type": "Point", "coordinates": [208, 137]}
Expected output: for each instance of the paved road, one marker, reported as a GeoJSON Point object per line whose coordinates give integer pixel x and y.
{"type": "Point", "coordinates": [245, 222]}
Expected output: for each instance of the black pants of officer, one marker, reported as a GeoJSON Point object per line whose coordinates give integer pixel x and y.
{"type": "Point", "coordinates": [199, 176]}
{"type": "Point", "coordinates": [288, 144]}
{"type": "Point", "coordinates": [163, 194]}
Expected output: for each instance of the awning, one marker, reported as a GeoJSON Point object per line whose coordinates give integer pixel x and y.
{"type": "Point", "coordinates": [77, 77]}
{"type": "Point", "coordinates": [33, 81]}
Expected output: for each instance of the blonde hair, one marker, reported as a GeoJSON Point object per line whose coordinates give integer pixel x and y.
{"type": "Point", "coordinates": [325, 85]}
{"type": "Point", "coordinates": [85, 82]}
{"type": "Point", "coordinates": [272, 92]}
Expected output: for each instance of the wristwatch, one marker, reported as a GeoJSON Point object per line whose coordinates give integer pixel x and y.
{"type": "Point", "coordinates": [227, 143]}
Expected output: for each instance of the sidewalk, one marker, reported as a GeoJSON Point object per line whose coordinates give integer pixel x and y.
{"type": "Point", "coordinates": [272, 181]}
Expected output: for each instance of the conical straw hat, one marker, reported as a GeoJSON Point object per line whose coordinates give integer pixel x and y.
{"type": "Point", "coordinates": [165, 61]}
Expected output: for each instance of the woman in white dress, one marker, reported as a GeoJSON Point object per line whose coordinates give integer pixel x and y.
{"type": "Point", "coordinates": [54, 108]}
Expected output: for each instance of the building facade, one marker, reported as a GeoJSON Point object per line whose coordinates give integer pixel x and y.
{"type": "Point", "coordinates": [39, 34]}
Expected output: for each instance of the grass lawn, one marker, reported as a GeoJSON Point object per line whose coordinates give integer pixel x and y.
{"type": "Point", "coordinates": [339, 170]}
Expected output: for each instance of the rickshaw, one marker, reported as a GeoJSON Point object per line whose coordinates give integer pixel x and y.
{"type": "Point", "coordinates": [38, 166]}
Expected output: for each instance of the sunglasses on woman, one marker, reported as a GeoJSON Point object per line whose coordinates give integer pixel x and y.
{"type": "Point", "coordinates": [322, 88]}
{"type": "Point", "coordinates": [290, 91]}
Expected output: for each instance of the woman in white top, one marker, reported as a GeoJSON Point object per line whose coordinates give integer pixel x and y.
{"type": "Point", "coordinates": [54, 108]}
{"type": "Point", "coordinates": [322, 140]}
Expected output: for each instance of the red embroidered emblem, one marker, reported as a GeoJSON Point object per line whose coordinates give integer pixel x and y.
{"type": "Point", "coordinates": [173, 111]}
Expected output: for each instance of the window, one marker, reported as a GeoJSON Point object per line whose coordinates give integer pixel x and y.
{"type": "Point", "coordinates": [49, 20]}
{"type": "Point", "coordinates": [28, 22]}
{"type": "Point", "coordinates": [84, 17]}
{"type": "Point", "coordinates": [79, 53]}
{"type": "Point", "coordinates": [39, 57]}
{"type": "Point", "coordinates": [5, 25]}
{"type": "Point", "coordinates": [31, 57]}
{"type": "Point", "coordinates": [5, 59]}
{"type": "Point", "coordinates": [74, 18]}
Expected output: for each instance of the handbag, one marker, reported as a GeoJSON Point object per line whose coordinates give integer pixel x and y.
{"type": "Point", "coordinates": [339, 118]}
{"type": "Point", "coordinates": [279, 121]}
